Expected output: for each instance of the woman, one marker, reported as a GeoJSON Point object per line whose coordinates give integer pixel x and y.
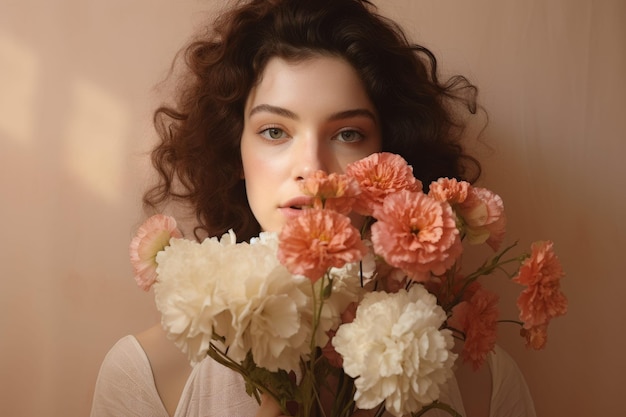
{"type": "Point", "coordinates": [279, 89]}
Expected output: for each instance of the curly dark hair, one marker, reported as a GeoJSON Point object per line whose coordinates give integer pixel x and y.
{"type": "Point", "coordinates": [198, 158]}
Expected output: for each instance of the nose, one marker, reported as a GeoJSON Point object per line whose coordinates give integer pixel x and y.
{"type": "Point", "coordinates": [311, 154]}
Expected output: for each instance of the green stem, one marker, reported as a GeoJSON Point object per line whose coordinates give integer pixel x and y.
{"type": "Point", "coordinates": [486, 269]}
{"type": "Point", "coordinates": [521, 323]}
{"type": "Point", "coordinates": [223, 359]}
{"type": "Point", "coordinates": [343, 403]}
{"type": "Point", "coordinates": [456, 333]}
{"type": "Point", "coordinates": [309, 379]}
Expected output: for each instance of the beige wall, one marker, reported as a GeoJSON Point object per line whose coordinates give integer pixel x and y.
{"type": "Point", "coordinates": [76, 92]}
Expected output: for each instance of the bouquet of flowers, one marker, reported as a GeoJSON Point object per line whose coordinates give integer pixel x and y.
{"type": "Point", "coordinates": [326, 317]}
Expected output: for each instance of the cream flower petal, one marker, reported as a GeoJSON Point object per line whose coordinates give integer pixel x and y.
{"type": "Point", "coordinates": [239, 291]}
{"type": "Point", "coordinates": [395, 350]}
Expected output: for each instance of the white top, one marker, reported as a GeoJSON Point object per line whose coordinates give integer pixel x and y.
{"type": "Point", "coordinates": [125, 387]}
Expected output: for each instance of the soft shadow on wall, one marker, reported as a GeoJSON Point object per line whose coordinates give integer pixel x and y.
{"type": "Point", "coordinates": [78, 88]}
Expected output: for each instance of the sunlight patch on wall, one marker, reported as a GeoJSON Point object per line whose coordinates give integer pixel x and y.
{"type": "Point", "coordinates": [98, 125]}
{"type": "Point", "coordinates": [19, 73]}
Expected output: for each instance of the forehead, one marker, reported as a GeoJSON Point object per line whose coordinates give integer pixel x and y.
{"type": "Point", "coordinates": [320, 79]}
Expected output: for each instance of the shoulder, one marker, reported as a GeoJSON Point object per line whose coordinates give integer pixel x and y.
{"type": "Point", "coordinates": [127, 359]}
{"type": "Point", "coordinates": [170, 368]}
{"type": "Point", "coordinates": [125, 385]}
{"type": "Point", "coordinates": [160, 351]}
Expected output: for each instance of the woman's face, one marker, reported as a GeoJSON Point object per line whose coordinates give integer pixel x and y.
{"type": "Point", "coordinates": [301, 117]}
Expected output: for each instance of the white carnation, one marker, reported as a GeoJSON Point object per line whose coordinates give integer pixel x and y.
{"type": "Point", "coordinates": [186, 295]}
{"type": "Point", "coordinates": [240, 292]}
{"type": "Point", "coordinates": [395, 350]}
{"type": "Point", "coordinates": [267, 307]}
{"type": "Point", "coordinates": [269, 239]}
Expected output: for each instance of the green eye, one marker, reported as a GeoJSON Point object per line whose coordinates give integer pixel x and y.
{"type": "Point", "coordinates": [273, 133]}
{"type": "Point", "coordinates": [349, 136]}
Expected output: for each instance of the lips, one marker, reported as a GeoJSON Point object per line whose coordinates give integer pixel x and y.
{"type": "Point", "coordinates": [297, 203]}
{"type": "Point", "coordinates": [293, 207]}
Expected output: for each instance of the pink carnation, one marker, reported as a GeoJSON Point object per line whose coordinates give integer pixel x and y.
{"type": "Point", "coordinates": [417, 234]}
{"type": "Point", "coordinates": [450, 190]}
{"type": "Point", "coordinates": [536, 337]}
{"type": "Point", "coordinates": [151, 238]}
{"type": "Point", "coordinates": [379, 175]}
{"type": "Point", "coordinates": [316, 240]}
{"type": "Point", "coordinates": [482, 213]}
{"type": "Point", "coordinates": [478, 319]}
{"type": "Point", "coordinates": [541, 273]}
{"type": "Point", "coordinates": [331, 191]}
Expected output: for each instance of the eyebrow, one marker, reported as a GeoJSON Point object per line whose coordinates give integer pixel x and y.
{"type": "Point", "coordinates": [261, 108]}
{"type": "Point", "coordinates": [353, 113]}
{"type": "Point", "coordinates": [347, 114]}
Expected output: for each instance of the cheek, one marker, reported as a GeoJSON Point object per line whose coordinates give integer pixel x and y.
{"type": "Point", "coordinates": [257, 167]}
{"type": "Point", "coordinates": [249, 159]}
{"type": "Point", "coordinates": [260, 176]}
{"type": "Point", "coordinates": [258, 161]}
{"type": "Point", "coordinates": [247, 166]}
